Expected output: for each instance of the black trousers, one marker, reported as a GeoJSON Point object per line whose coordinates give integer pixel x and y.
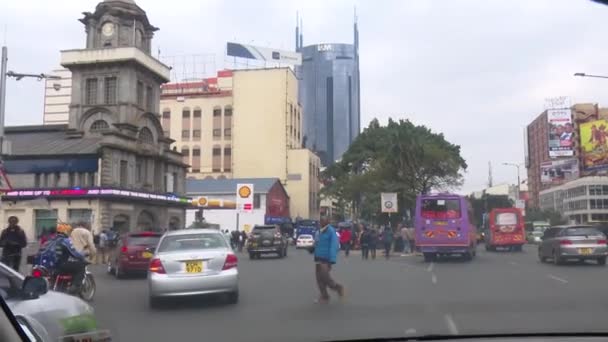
{"type": "Point", "coordinates": [372, 249]}
{"type": "Point", "coordinates": [12, 260]}
{"type": "Point", "coordinates": [364, 251]}
{"type": "Point", "coordinates": [74, 268]}
{"type": "Point", "coordinates": [387, 249]}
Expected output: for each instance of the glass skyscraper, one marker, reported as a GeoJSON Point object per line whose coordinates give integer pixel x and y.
{"type": "Point", "coordinates": [329, 94]}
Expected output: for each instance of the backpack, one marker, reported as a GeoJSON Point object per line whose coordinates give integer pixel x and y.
{"type": "Point", "coordinates": [47, 256]}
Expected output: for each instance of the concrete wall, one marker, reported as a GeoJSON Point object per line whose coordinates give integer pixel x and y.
{"type": "Point", "coordinates": [302, 184]}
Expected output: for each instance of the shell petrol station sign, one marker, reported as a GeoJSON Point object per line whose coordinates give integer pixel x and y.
{"type": "Point", "coordinates": [244, 197]}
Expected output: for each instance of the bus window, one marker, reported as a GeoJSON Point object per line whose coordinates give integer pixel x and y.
{"type": "Point", "coordinates": [440, 208]}
{"type": "Point", "coordinates": [505, 219]}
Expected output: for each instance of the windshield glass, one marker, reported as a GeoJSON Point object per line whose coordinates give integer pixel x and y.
{"type": "Point", "coordinates": [186, 242]}
{"type": "Point", "coordinates": [581, 232]}
{"type": "Point", "coordinates": [423, 145]}
{"type": "Point", "coordinates": [440, 208]}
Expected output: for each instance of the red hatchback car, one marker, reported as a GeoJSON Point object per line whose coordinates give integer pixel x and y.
{"type": "Point", "coordinates": [133, 253]}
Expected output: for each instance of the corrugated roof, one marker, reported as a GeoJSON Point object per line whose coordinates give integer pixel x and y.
{"type": "Point", "coordinates": [227, 186]}
{"type": "Point", "coordinates": [48, 140]}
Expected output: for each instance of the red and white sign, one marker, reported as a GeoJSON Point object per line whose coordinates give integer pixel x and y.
{"type": "Point", "coordinates": [244, 197]}
{"type": "Point", "coordinates": [5, 185]}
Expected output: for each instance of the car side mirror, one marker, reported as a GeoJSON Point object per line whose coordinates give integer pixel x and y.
{"type": "Point", "coordinates": [33, 287]}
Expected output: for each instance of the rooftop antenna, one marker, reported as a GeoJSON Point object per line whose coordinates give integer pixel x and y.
{"type": "Point", "coordinates": [297, 31]}
{"type": "Point", "coordinates": [301, 33]}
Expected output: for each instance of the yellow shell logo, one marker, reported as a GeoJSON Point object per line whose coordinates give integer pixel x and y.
{"type": "Point", "coordinates": [202, 201]}
{"type": "Point", "coordinates": [244, 192]}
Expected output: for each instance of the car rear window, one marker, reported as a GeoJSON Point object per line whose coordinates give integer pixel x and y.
{"type": "Point", "coordinates": [581, 231]}
{"type": "Point", "coordinates": [440, 208]}
{"type": "Point", "coordinates": [307, 223]}
{"type": "Point", "coordinates": [143, 240]}
{"type": "Point", "coordinates": [505, 219]}
{"type": "Point", "coordinates": [264, 228]}
{"type": "Point", "coordinates": [188, 242]}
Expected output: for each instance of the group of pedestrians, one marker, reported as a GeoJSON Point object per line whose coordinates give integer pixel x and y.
{"type": "Point", "coordinates": [238, 240]}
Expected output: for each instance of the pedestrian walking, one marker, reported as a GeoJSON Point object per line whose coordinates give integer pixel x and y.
{"type": "Point", "coordinates": [12, 241]}
{"type": "Point", "coordinates": [242, 240]}
{"type": "Point", "coordinates": [406, 239]}
{"type": "Point", "coordinates": [102, 256]}
{"type": "Point", "coordinates": [412, 239]}
{"type": "Point", "coordinates": [326, 253]}
{"type": "Point", "coordinates": [345, 237]}
{"type": "Point", "coordinates": [234, 239]}
{"type": "Point", "coordinates": [387, 240]}
{"type": "Point", "coordinates": [364, 240]}
{"type": "Point", "coordinates": [373, 243]}
{"type": "Point", "coordinates": [82, 238]}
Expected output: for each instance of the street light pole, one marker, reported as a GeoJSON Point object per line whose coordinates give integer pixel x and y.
{"type": "Point", "coordinates": [518, 178]}
{"type": "Point", "coordinates": [582, 74]}
{"type": "Point", "coordinates": [18, 76]}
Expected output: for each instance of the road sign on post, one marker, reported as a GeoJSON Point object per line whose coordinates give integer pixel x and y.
{"type": "Point", "coordinates": [389, 202]}
{"type": "Point", "coordinates": [244, 197]}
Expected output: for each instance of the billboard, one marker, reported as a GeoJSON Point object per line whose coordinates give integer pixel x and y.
{"type": "Point", "coordinates": [559, 171]}
{"type": "Point", "coordinates": [263, 54]}
{"type": "Point", "coordinates": [561, 133]}
{"type": "Point", "coordinates": [594, 145]}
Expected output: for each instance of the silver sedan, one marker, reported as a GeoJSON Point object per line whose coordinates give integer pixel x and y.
{"type": "Point", "coordinates": [193, 262]}
{"type": "Point", "coordinates": [573, 242]}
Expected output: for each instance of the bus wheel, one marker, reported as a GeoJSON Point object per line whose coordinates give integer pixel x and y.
{"type": "Point", "coordinates": [467, 256]}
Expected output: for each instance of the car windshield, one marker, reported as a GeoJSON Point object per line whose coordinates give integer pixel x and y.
{"type": "Point", "coordinates": [186, 242]}
{"type": "Point", "coordinates": [581, 232]}
{"type": "Point", "coordinates": [317, 170]}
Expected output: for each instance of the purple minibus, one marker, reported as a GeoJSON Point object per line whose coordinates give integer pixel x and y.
{"type": "Point", "coordinates": [443, 227]}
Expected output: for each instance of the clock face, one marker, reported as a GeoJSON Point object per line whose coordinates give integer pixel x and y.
{"type": "Point", "coordinates": [107, 29]}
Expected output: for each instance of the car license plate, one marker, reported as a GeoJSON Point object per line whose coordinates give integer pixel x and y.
{"type": "Point", "coordinates": [146, 255]}
{"type": "Point", "coordinates": [441, 223]}
{"type": "Point", "coordinates": [585, 251]}
{"type": "Point", "coordinates": [194, 266]}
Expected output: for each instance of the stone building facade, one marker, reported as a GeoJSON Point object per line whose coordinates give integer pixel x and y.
{"type": "Point", "coordinates": [112, 158]}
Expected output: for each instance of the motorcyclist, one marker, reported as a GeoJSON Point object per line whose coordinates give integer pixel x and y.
{"type": "Point", "coordinates": [67, 259]}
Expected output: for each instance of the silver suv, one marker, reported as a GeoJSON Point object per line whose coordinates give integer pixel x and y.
{"type": "Point", "coordinates": [573, 242]}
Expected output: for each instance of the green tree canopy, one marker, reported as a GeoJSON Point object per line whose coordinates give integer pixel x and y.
{"type": "Point", "coordinates": [399, 157]}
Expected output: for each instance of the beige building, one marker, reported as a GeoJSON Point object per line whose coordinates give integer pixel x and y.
{"type": "Point", "coordinates": [57, 97]}
{"type": "Point", "coordinates": [244, 124]}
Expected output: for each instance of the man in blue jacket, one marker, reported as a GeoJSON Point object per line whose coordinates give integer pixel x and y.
{"type": "Point", "coordinates": [326, 252]}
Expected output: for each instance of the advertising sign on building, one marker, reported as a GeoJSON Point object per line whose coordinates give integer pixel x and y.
{"type": "Point", "coordinates": [388, 202]}
{"type": "Point", "coordinates": [559, 102]}
{"type": "Point", "coordinates": [244, 197]}
{"type": "Point", "coordinates": [594, 145]}
{"type": "Point", "coordinates": [561, 133]}
{"type": "Point", "coordinates": [263, 54]}
{"type": "Point", "coordinates": [559, 171]}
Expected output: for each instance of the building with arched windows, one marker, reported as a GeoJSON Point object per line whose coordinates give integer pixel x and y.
{"type": "Point", "coordinates": [244, 124]}
{"type": "Point", "coordinates": [111, 165]}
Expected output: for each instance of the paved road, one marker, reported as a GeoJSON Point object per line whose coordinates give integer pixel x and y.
{"type": "Point", "coordinates": [497, 292]}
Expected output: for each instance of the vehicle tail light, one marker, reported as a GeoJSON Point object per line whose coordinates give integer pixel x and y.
{"type": "Point", "coordinates": [156, 266]}
{"type": "Point", "coordinates": [123, 249]}
{"type": "Point", "coordinates": [565, 242]}
{"type": "Point", "coordinates": [602, 242]}
{"type": "Point", "coordinates": [231, 262]}
{"type": "Point", "coordinates": [36, 273]}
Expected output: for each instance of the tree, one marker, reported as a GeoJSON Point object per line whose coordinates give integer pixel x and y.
{"type": "Point", "coordinates": [486, 203]}
{"type": "Point", "coordinates": [399, 157]}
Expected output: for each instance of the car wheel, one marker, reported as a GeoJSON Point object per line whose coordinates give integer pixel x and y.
{"type": "Point", "coordinates": [251, 255]}
{"type": "Point", "coordinates": [556, 259]}
{"type": "Point", "coordinates": [487, 247]}
{"type": "Point", "coordinates": [153, 302]}
{"type": "Point", "coordinates": [233, 297]}
{"type": "Point", "coordinates": [601, 261]}
{"type": "Point", "coordinates": [467, 256]}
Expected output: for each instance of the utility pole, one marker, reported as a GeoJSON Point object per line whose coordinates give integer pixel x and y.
{"type": "Point", "coordinates": [490, 181]}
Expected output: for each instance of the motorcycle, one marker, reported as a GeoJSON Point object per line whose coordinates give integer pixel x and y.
{"type": "Point", "coordinates": [62, 282]}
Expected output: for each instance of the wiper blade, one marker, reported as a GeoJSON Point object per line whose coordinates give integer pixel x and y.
{"type": "Point", "coordinates": [440, 337]}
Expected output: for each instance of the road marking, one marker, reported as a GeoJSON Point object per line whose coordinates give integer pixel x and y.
{"type": "Point", "coordinates": [410, 331]}
{"type": "Point", "coordinates": [434, 278]}
{"type": "Point", "coordinates": [512, 263]}
{"type": "Point", "coordinates": [557, 278]}
{"type": "Point", "coordinates": [430, 268]}
{"type": "Point", "coordinates": [451, 324]}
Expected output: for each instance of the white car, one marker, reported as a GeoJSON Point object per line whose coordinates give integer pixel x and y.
{"type": "Point", "coordinates": [305, 241]}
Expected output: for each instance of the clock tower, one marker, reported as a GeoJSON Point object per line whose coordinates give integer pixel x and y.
{"type": "Point", "coordinates": [115, 80]}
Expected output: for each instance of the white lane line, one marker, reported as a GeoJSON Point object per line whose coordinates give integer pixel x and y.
{"type": "Point", "coordinates": [451, 324]}
{"type": "Point", "coordinates": [434, 278]}
{"type": "Point", "coordinates": [410, 331]}
{"type": "Point", "coordinates": [512, 263]}
{"type": "Point", "coordinates": [430, 268]}
{"type": "Point", "coordinates": [562, 280]}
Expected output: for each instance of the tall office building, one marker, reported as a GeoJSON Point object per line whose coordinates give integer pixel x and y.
{"type": "Point", "coordinates": [329, 93]}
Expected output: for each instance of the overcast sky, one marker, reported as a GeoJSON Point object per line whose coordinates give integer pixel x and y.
{"type": "Point", "coordinates": [476, 70]}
